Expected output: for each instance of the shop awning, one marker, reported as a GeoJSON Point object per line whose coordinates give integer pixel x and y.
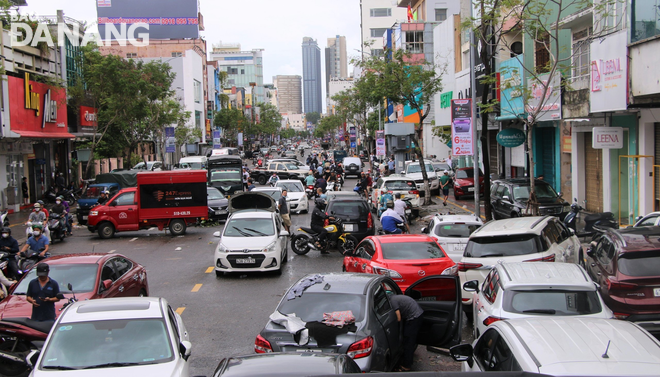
{"type": "Point", "coordinates": [45, 135]}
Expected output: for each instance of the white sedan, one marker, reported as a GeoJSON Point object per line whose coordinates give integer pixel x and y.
{"type": "Point", "coordinates": [295, 195]}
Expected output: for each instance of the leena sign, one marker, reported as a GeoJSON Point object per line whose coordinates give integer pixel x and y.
{"type": "Point", "coordinates": [510, 137]}
{"type": "Point", "coordinates": [607, 138]}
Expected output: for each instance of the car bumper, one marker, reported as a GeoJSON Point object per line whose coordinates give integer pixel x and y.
{"type": "Point", "coordinates": [466, 190]}
{"type": "Point", "coordinates": [260, 262]}
{"type": "Point", "coordinates": [217, 214]}
{"type": "Point", "coordinates": [299, 206]}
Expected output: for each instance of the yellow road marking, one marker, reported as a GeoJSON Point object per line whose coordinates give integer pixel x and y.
{"type": "Point", "coordinates": [180, 310]}
{"type": "Point", "coordinates": [459, 207]}
{"type": "Point", "coordinates": [210, 269]}
{"type": "Point", "coordinates": [196, 288]}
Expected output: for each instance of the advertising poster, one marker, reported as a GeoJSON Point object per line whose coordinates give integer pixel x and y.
{"type": "Point", "coordinates": [217, 144]}
{"type": "Point", "coordinates": [170, 141]}
{"type": "Point", "coordinates": [380, 143]}
{"type": "Point", "coordinates": [461, 127]}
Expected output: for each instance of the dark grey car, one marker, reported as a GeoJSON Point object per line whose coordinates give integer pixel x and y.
{"type": "Point", "coordinates": [374, 340]}
{"type": "Point", "coordinates": [217, 204]}
{"type": "Point", "coordinates": [508, 198]}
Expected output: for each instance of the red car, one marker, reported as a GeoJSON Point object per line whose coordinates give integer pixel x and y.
{"type": "Point", "coordinates": [92, 276]}
{"type": "Point", "coordinates": [405, 258]}
{"type": "Point", "coordinates": [464, 182]}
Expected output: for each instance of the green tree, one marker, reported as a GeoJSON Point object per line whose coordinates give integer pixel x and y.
{"type": "Point", "coordinates": [313, 117]}
{"type": "Point", "coordinates": [287, 133]}
{"type": "Point", "coordinates": [328, 126]}
{"type": "Point", "coordinates": [231, 121]}
{"type": "Point", "coordinates": [270, 119]}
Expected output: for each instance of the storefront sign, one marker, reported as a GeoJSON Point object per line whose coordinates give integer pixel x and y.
{"type": "Point", "coordinates": [546, 93]}
{"type": "Point", "coordinates": [380, 143]}
{"type": "Point", "coordinates": [88, 117]}
{"type": "Point", "coordinates": [37, 110]}
{"type": "Point", "coordinates": [445, 99]}
{"type": "Point", "coordinates": [609, 67]}
{"type": "Point", "coordinates": [511, 89]}
{"type": "Point", "coordinates": [607, 138]}
{"type": "Point", "coordinates": [510, 137]}
{"type": "Point", "coordinates": [461, 130]}
{"type": "Point", "coordinates": [170, 141]}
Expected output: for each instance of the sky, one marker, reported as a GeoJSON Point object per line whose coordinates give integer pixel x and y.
{"type": "Point", "coordinates": [276, 26]}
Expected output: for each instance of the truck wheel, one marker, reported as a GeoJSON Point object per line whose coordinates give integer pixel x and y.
{"type": "Point", "coordinates": [262, 180]}
{"type": "Point", "coordinates": [106, 230]}
{"type": "Point", "coordinates": [178, 227]}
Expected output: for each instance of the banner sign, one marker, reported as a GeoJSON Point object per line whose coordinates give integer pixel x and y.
{"type": "Point", "coordinates": [510, 137]}
{"type": "Point", "coordinates": [551, 109]}
{"type": "Point", "coordinates": [170, 141]}
{"type": "Point", "coordinates": [217, 143]}
{"type": "Point", "coordinates": [353, 133]}
{"type": "Point", "coordinates": [461, 130]}
{"type": "Point", "coordinates": [88, 117]}
{"type": "Point", "coordinates": [607, 138]}
{"type": "Point", "coordinates": [240, 139]}
{"type": "Point", "coordinates": [609, 73]}
{"type": "Point", "coordinates": [380, 143]}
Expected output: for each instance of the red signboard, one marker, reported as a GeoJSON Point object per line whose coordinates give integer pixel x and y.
{"type": "Point", "coordinates": [88, 116]}
{"type": "Point", "coordinates": [37, 110]}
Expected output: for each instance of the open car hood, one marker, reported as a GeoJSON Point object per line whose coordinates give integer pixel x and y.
{"type": "Point", "coordinates": [252, 200]}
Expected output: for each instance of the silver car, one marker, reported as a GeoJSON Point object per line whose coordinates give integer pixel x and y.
{"type": "Point", "coordinates": [374, 339]}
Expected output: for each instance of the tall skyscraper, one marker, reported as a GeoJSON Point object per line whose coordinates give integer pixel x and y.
{"type": "Point", "coordinates": [336, 64]}
{"type": "Point", "coordinates": [312, 85]}
{"type": "Point", "coordinates": [289, 93]}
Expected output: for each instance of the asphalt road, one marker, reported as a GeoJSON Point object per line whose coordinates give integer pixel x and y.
{"type": "Point", "coordinates": [222, 314]}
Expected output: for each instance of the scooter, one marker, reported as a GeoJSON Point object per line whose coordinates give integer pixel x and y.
{"type": "Point", "coordinates": [310, 191]}
{"type": "Point", "coordinates": [399, 226]}
{"type": "Point", "coordinates": [57, 227]}
{"type": "Point", "coordinates": [68, 196]}
{"type": "Point", "coordinates": [25, 262]}
{"type": "Point", "coordinates": [593, 222]}
{"type": "Point", "coordinates": [50, 195]}
{"type": "Point", "coordinates": [4, 220]}
{"type": "Point", "coordinates": [5, 257]}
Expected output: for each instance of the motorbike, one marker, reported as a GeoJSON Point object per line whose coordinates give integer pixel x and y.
{"type": "Point", "coordinates": [68, 196]}
{"type": "Point", "coordinates": [25, 262]}
{"type": "Point", "coordinates": [399, 226]}
{"type": "Point", "coordinates": [410, 216]}
{"type": "Point", "coordinates": [57, 226]}
{"type": "Point", "coordinates": [5, 257]}
{"type": "Point", "coordinates": [359, 190]}
{"type": "Point", "coordinates": [21, 338]}
{"type": "Point", "coordinates": [309, 189]}
{"type": "Point", "coordinates": [331, 186]}
{"type": "Point", "coordinates": [50, 195]}
{"type": "Point", "coordinates": [302, 153]}
{"type": "Point", "coordinates": [4, 220]}
{"type": "Point", "coordinates": [593, 223]}
{"type": "Point", "coordinates": [337, 237]}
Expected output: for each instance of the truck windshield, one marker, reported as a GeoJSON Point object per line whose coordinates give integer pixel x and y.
{"type": "Point", "coordinates": [416, 168]}
{"type": "Point", "coordinates": [92, 192]}
{"type": "Point", "coordinates": [226, 175]}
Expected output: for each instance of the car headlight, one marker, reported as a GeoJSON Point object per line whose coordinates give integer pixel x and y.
{"type": "Point", "coordinates": [93, 213]}
{"type": "Point", "coordinates": [221, 248]}
{"type": "Point", "coordinates": [456, 184]}
{"type": "Point", "coordinates": [567, 208]}
{"type": "Point", "coordinates": [386, 272]}
{"type": "Point", "coordinates": [453, 270]}
{"type": "Point", "coordinates": [270, 247]}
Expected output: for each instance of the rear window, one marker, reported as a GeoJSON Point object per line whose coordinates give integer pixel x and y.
{"type": "Point", "coordinates": [348, 208]}
{"type": "Point", "coordinates": [351, 160]}
{"type": "Point", "coordinates": [645, 263]}
{"type": "Point", "coordinates": [502, 246]}
{"type": "Point", "coordinates": [311, 306]}
{"type": "Point", "coordinates": [552, 302]}
{"type": "Point", "coordinates": [400, 185]}
{"type": "Point", "coordinates": [412, 250]}
{"type": "Point", "coordinates": [456, 230]}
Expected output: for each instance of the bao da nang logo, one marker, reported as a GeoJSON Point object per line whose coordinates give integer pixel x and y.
{"type": "Point", "coordinates": [22, 34]}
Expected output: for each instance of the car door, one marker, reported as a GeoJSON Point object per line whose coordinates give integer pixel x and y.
{"type": "Point", "coordinates": [109, 273]}
{"type": "Point", "coordinates": [568, 242]}
{"type": "Point", "coordinates": [180, 334]}
{"type": "Point", "coordinates": [282, 240]}
{"type": "Point", "coordinates": [495, 197]}
{"type": "Point", "coordinates": [440, 298]}
{"type": "Point", "coordinates": [282, 171]}
{"type": "Point", "coordinates": [492, 353]}
{"type": "Point", "coordinates": [483, 305]}
{"type": "Point", "coordinates": [553, 242]}
{"type": "Point", "coordinates": [386, 316]}
{"type": "Point", "coordinates": [506, 202]}
{"type": "Point", "coordinates": [602, 266]}
{"type": "Point", "coordinates": [123, 209]}
{"type": "Point", "coordinates": [359, 261]}
{"type": "Point", "coordinates": [127, 283]}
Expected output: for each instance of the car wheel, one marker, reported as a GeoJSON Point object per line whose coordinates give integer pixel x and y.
{"type": "Point", "coordinates": [262, 180]}
{"type": "Point", "coordinates": [178, 227]}
{"type": "Point", "coordinates": [106, 230]}
{"type": "Point", "coordinates": [142, 293]}
{"type": "Point", "coordinates": [299, 244]}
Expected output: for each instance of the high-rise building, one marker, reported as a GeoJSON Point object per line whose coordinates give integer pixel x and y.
{"type": "Point", "coordinates": [336, 64]}
{"type": "Point", "coordinates": [242, 67]}
{"type": "Point", "coordinates": [289, 93]}
{"type": "Point", "coordinates": [312, 85]}
{"type": "Point", "coordinates": [378, 16]}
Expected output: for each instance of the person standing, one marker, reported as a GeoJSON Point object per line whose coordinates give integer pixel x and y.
{"type": "Point", "coordinates": [42, 294]}
{"type": "Point", "coordinates": [283, 206]}
{"type": "Point", "coordinates": [251, 185]}
{"type": "Point", "coordinates": [390, 165]}
{"type": "Point", "coordinates": [449, 162]}
{"type": "Point", "coordinates": [246, 175]}
{"type": "Point", "coordinates": [409, 313]}
{"type": "Point", "coordinates": [24, 188]}
{"type": "Point", "coordinates": [444, 185]}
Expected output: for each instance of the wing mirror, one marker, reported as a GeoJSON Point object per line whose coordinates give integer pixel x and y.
{"type": "Point", "coordinates": [462, 352]}
{"type": "Point", "coordinates": [216, 234]}
{"type": "Point", "coordinates": [113, 204]}
{"type": "Point", "coordinates": [506, 197]}
{"type": "Point", "coordinates": [185, 348]}
{"type": "Point", "coordinates": [471, 286]}
{"type": "Point", "coordinates": [423, 230]}
{"type": "Point", "coordinates": [106, 284]}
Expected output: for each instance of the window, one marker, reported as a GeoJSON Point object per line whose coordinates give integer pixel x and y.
{"type": "Point", "coordinates": [108, 272]}
{"type": "Point", "coordinates": [440, 14]}
{"type": "Point", "coordinates": [131, 55]}
{"type": "Point", "coordinates": [242, 71]}
{"type": "Point", "coordinates": [377, 52]}
{"type": "Point", "coordinates": [380, 12]}
{"type": "Point", "coordinates": [127, 199]}
{"type": "Point", "coordinates": [415, 42]}
{"type": "Point", "coordinates": [197, 87]}
{"type": "Point", "coordinates": [122, 266]}
{"type": "Point", "coordinates": [645, 19]}
{"type": "Point", "coordinates": [581, 58]}
{"type": "Point", "coordinates": [177, 54]}
{"type": "Point", "coordinates": [605, 252]}
{"type": "Point", "coordinates": [491, 286]}
{"type": "Point", "coordinates": [377, 32]}
{"type": "Point", "coordinates": [649, 221]}
{"type": "Point", "coordinates": [232, 71]}
{"type": "Point", "coordinates": [542, 54]}
{"type": "Point", "coordinates": [381, 303]}
{"type": "Point", "coordinates": [365, 251]}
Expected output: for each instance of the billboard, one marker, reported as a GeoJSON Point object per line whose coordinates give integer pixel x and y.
{"type": "Point", "coordinates": [609, 73]}
{"type": "Point", "coordinates": [167, 19]}
{"type": "Point", "coordinates": [461, 130]}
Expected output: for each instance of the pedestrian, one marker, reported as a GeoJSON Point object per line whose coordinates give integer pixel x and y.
{"type": "Point", "coordinates": [284, 211]}
{"type": "Point", "coordinates": [444, 185]}
{"type": "Point", "coordinates": [409, 313]}
{"type": "Point", "coordinates": [251, 185]}
{"type": "Point", "coordinates": [449, 162]}
{"type": "Point", "coordinates": [246, 175]}
{"type": "Point", "coordinates": [24, 188]}
{"type": "Point", "coordinates": [390, 165]}
{"type": "Point", "coordinates": [60, 183]}
{"type": "Point", "coordinates": [42, 294]}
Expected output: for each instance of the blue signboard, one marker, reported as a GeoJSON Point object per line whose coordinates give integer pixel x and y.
{"type": "Point", "coordinates": [511, 89]}
{"type": "Point", "coordinates": [170, 141]}
{"type": "Point", "coordinates": [216, 140]}
{"type": "Point", "coordinates": [353, 144]}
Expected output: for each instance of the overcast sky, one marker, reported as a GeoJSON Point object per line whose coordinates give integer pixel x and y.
{"type": "Point", "coordinates": [276, 26]}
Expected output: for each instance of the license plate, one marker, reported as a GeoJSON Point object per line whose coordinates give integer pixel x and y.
{"type": "Point", "coordinates": [348, 227]}
{"type": "Point", "coordinates": [309, 350]}
{"type": "Point", "coordinates": [459, 247]}
{"type": "Point", "coordinates": [84, 217]}
{"type": "Point", "coordinates": [656, 292]}
{"type": "Point", "coordinates": [470, 189]}
{"type": "Point", "coordinates": [245, 261]}
{"type": "Point", "coordinates": [408, 211]}
{"type": "Point", "coordinates": [217, 213]}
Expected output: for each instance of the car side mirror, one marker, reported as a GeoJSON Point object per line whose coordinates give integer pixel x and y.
{"type": "Point", "coordinates": [216, 234]}
{"type": "Point", "coordinates": [471, 286]}
{"type": "Point", "coordinates": [559, 194]}
{"type": "Point", "coordinates": [185, 348]}
{"type": "Point", "coordinates": [60, 296]}
{"type": "Point", "coordinates": [506, 197]}
{"type": "Point", "coordinates": [423, 230]}
{"type": "Point", "coordinates": [462, 352]}
{"type": "Point", "coordinates": [106, 284]}
{"type": "Point", "coordinates": [284, 233]}
{"type": "Point", "coordinates": [32, 357]}
{"type": "Point", "coordinates": [113, 204]}
{"type": "Point", "coordinates": [638, 218]}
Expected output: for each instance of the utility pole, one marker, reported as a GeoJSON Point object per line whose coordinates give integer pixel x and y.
{"type": "Point", "coordinates": [475, 133]}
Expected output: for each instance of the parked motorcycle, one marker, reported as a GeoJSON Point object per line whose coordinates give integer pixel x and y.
{"type": "Point", "coordinates": [20, 338]}
{"type": "Point", "coordinates": [57, 227]}
{"type": "Point", "coordinates": [310, 191]}
{"type": "Point", "coordinates": [50, 195]}
{"type": "Point", "coordinates": [592, 223]}
{"type": "Point", "coordinates": [4, 220]}
{"type": "Point", "coordinates": [337, 237]}
{"type": "Point", "coordinates": [68, 196]}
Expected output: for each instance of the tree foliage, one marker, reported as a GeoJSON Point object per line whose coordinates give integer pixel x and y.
{"type": "Point", "coordinates": [313, 117]}
{"type": "Point", "coordinates": [231, 121]}
{"type": "Point", "coordinates": [328, 126]}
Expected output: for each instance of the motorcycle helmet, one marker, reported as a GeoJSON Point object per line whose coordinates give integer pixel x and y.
{"type": "Point", "coordinates": [60, 197]}
{"type": "Point", "coordinates": [389, 204]}
{"type": "Point", "coordinates": [6, 230]}
{"type": "Point", "coordinates": [37, 205]}
{"type": "Point", "coordinates": [320, 203]}
{"type": "Point", "coordinates": [37, 226]}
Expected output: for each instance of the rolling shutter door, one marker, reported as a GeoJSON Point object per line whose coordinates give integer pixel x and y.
{"type": "Point", "coordinates": [656, 171]}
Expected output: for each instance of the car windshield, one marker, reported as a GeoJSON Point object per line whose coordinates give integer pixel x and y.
{"type": "Point", "coordinates": [291, 186]}
{"type": "Point", "coordinates": [92, 192]}
{"type": "Point", "coordinates": [552, 302]}
{"type": "Point", "coordinates": [442, 167]}
{"type": "Point", "coordinates": [412, 250]}
{"type": "Point", "coordinates": [417, 168]}
{"type": "Point", "coordinates": [400, 185]}
{"type": "Point", "coordinates": [638, 263]}
{"type": "Point", "coordinates": [89, 345]}
{"type": "Point", "coordinates": [353, 209]}
{"type": "Point", "coordinates": [465, 174]}
{"type": "Point", "coordinates": [502, 246]}
{"type": "Point", "coordinates": [81, 276]}
{"type": "Point", "coordinates": [311, 305]}
{"type": "Point", "coordinates": [192, 165]}
{"type": "Point", "coordinates": [249, 228]}
{"type": "Point", "coordinates": [542, 192]}
{"type": "Point", "coordinates": [213, 193]}
{"type": "Point", "coordinates": [456, 230]}
{"type": "Point", "coordinates": [226, 175]}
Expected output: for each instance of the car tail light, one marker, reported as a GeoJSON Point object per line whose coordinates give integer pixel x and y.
{"type": "Point", "coordinates": [465, 300]}
{"type": "Point", "coordinates": [326, 222]}
{"type": "Point", "coordinates": [463, 266]}
{"type": "Point", "coordinates": [413, 192]}
{"type": "Point", "coordinates": [361, 349]}
{"type": "Point", "coordinates": [261, 345]}
{"type": "Point", "coordinates": [453, 270]}
{"type": "Point", "coordinates": [490, 320]}
{"type": "Point", "coordinates": [370, 221]}
{"type": "Point", "coordinates": [385, 272]}
{"type": "Point", "coordinates": [621, 315]}
{"type": "Point", "coordinates": [549, 258]}
{"type": "Point", "coordinates": [615, 285]}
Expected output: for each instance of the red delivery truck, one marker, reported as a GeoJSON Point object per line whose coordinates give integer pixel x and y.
{"type": "Point", "coordinates": [173, 199]}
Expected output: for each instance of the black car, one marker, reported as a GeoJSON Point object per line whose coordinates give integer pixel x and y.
{"type": "Point", "coordinates": [217, 204]}
{"type": "Point", "coordinates": [354, 212]}
{"type": "Point", "coordinates": [508, 198]}
{"type": "Point", "coordinates": [290, 364]}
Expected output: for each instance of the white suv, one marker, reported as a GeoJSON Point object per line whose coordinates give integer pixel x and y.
{"type": "Point", "coordinates": [452, 232]}
{"type": "Point", "coordinates": [394, 184]}
{"type": "Point", "coordinates": [414, 172]}
{"type": "Point", "coordinates": [254, 238]}
{"type": "Point", "coordinates": [521, 290]}
{"type": "Point", "coordinates": [519, 239]}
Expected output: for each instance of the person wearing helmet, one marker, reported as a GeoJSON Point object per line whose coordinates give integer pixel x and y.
{"type": "Point", "coordinates": [38, 243]}
{"type": "Point", "coordinates": [43, 207]}
{"type": "Point", "coordinates": [390, 219]}
{"type": "Point", "coordinates": [68, 219]}
{"type": "Point", "coordinates": [104, 197]}
{"type": "Point", "coordinates": [10, 245]}
{"type": "Point", "coordinates": [38, 216]}
{"type": "Point", "coordinates": [273, 179]}
{"type": "Point", "coordinates": [318, 219]}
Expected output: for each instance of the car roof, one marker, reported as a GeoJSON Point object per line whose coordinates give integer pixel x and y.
{"type": "Point", "coordinates": [113, 308]}
{"type": "Point", "coordinates": [543, 274]}
{"type": "Point", "coordinates": [396, 177]}
{"type": "Point", "coordinates": [267, 189]}
{"type": "Point", "coordinates": [87, 258]}
{"type": "Point", "coordinates": [403, 238]}
{"type": "Point", "coordinates": [515, 225]}
{"type": "Point", "coordinates": [637, 239]}
{"type": "Point", "coordinates": [576, 345]}
{"type": "Point", "coordinates": [520, 181]}
{"type": "Point", "coordinates": [341, 282]}
{"type": "Point", "coordinates": [289, 181]}
{"type": "Point", "coordinates": [282, 364]}
{"type": "Point", "coordinates": [458, 219]}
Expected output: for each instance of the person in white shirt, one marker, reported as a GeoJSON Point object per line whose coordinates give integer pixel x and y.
{"type": "Point", "coordinates": [400, 208]}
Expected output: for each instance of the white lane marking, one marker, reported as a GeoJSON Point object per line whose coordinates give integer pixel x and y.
{"type": "Point", "coordinates": [111, 251]}
{"type": "Point", "coordinates": [133, 239]}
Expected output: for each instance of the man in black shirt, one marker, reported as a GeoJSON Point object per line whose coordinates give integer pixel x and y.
{"type": "Point", "coordinates": [284, 211]}
{"type": "Point", "coordinates": [10, 245]}
{"type": "Point", "coordinates": [410, 313]}
{"type": "Point", "coordinates": [42, 294]}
